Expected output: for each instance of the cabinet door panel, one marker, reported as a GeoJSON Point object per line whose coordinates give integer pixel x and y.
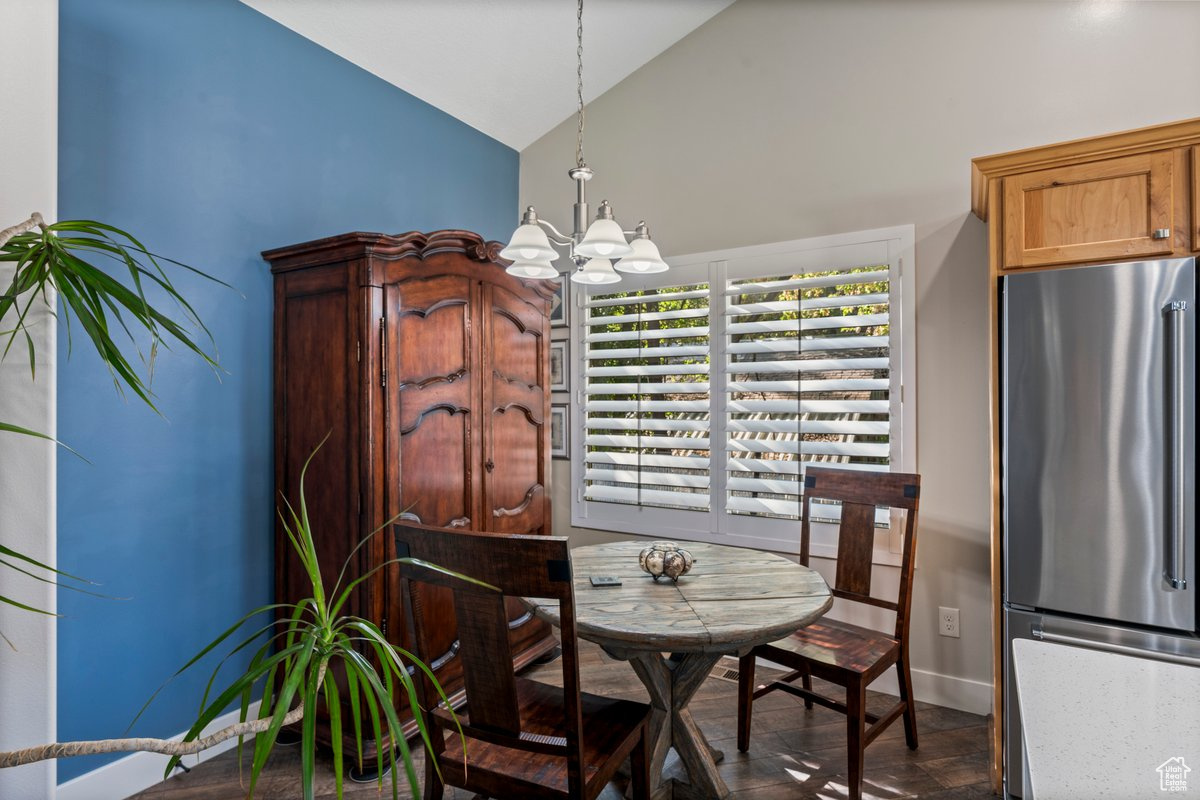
{"type": "Point", "coordinates": [516, 492]}
{"type": "Point", "coordinates": [316, 397]}
{"type": "Point", "coordinates": [1195, 199]}
{"type": "Point", "coordinates": [1108, 210]}
{"type": "Point", "coordinates": [431, 444]}
{"type": "Point", "coordinates": [515, 353]}
{"type": "Point", "coordinates": [434, 454]}
{"type": "Point", "coordinates": [515, 347]}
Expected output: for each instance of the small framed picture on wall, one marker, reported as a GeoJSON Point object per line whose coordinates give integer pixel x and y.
{"type": "Point", "coordinates": [560, 304]}
{"type": "Point", "coordinates": [560, 447]}
{"type": "Point", "coordinates": [560, 379]}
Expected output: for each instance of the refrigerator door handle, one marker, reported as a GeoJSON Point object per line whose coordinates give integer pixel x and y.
{"type": "Point", "coordinates": [1174, 570]}
{"type": "Point", "coordinates": [1040, 633]}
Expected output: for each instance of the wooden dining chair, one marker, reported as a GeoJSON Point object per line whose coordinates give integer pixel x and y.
{"type": "Point", "coordinates": [524, 739]}
{"type": "Point", "coordinates": [844, 654]}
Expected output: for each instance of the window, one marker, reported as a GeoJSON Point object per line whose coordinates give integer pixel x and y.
{"type": "Point", "coordinates": [706, 390]}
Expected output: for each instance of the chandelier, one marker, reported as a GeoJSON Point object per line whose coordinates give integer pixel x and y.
{"type": "Point", "coordinates": [592, 247]}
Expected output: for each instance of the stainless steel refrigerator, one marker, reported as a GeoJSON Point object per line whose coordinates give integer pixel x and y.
{"type": "Point", "coordinates": [1098, 377]}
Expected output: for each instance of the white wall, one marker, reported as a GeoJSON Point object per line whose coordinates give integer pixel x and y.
{"type": "Point", "coordinates": [782, 120]}
{"type": "Point", "coordinates": [28, 182]}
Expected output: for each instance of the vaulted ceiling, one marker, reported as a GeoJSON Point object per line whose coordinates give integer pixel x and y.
{"type": "Point", "coordinates": [505, 67]}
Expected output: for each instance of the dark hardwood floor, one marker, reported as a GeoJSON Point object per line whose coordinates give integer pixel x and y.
{"type": "Point", "coordinates": [793, 753]}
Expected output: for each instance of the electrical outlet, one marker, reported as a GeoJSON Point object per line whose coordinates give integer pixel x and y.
{"type": "Point", "coordinates": [948, 621]}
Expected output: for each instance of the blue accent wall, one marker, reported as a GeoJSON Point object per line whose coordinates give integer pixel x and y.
{"type": "Point", "coordinates": [212, 132]}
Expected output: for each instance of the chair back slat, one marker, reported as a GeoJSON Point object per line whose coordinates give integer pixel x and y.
{"type": "Point", "coordinates": [860, 492]}
{"type": "Point", "coordinates": [856, 541]}
{"type": "Point", "coordinates": [487, 661]}
{"type": "Point", "coordinates": [511, 566]}
{"type": "Point", "coordinates": [894, 489]}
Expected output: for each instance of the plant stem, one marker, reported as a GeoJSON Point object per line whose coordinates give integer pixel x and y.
{"type": "Point", "coordinates": [35, 221]}
{"type": "Point", "coordinates": [29, 755]}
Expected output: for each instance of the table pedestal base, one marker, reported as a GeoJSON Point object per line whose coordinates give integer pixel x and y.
{"type": "Point", "coordinates": [675, 786]}
{"type": "Point", "coordinates": [671, 684]}
{"type": "Point", "coordinates": [733, 600]}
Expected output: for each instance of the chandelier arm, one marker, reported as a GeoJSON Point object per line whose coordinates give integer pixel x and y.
{"type": "Point", "coordinates": [555, 235]}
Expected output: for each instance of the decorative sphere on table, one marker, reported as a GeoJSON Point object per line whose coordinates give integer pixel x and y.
{"type": "Point", "coordinates": [665, 559]}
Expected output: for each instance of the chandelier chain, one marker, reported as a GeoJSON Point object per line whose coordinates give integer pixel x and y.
{"type": "Point", "coordinates": [579, 162]}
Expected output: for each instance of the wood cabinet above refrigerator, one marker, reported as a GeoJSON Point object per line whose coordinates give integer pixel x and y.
{"type": "Point", "coordinates": [1107, 210]}
{"type": "Point", "coordinates": [1120, 197]}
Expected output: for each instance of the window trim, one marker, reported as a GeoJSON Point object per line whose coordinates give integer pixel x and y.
{"type": "Point", "coordinates": [769, 534]}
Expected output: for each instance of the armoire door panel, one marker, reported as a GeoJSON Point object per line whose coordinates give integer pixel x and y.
{"type": "Point", "coordinates": [515, 482]}
{"type": "Point", "coordinates": [415, 403]}
{"type": "Point", "coordinates": [435, 455]}
{"type": "Point", "coordinates": [507, 393]}
{"type": "Point", "coordinates": [514, 400]}
{"type": "Point", "coordinates": [314, 333]}
{"type": "Point", "coordinates": [433, 447]}
{"type": "Point", "coordinates": [515, 339]}
{"type": "Point", "coordinates": [433, 328]}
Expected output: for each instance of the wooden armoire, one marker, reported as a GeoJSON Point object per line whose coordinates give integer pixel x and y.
{"type": "Point", "coordinates": [427, 367]}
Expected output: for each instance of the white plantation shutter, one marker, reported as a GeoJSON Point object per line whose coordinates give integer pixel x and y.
{"type": "Point", "coordinates": [808, 382]}
{"type": "Point", "coordinates": [710, 392]}
{"type": "Point", "coordinates": [646, 408]}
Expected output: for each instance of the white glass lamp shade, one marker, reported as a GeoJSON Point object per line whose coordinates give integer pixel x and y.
{"type": "Point", "coordinates": [529, 243]}
{"type": "Point", "coordinates": [538, 270]}
{"type": "Point", "coordinates": [603, 240]}
{"type": "Point", "coordinates": [643, 260]}
{"type": "Point", "coordinates": [598, 270]}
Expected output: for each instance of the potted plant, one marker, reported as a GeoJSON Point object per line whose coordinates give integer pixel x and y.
{"type": "Point", "coordinates": [293, 654]}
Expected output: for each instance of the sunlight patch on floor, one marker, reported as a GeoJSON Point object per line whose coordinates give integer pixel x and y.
{"type": "Point", "coordinates": [799, 776]}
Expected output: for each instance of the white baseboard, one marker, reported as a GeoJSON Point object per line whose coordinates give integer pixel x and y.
{"type": "Point", "coordinates": [942, 690]}
{"type": "Point", "coordinates": [950, 691]}
{"type": "Point", "coordinates": [140, 771]}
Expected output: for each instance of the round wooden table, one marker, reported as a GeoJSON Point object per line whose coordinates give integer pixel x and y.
{"type": "Point", "coordinates": [732, 600]}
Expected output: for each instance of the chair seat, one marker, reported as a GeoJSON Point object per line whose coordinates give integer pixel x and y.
{"type": "Point", "coordinates": [838, 646]}
{"type": "Point", "coordinates": [610, 732]}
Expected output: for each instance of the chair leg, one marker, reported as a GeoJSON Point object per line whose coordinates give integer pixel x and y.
{"type": "Point", "coordinates": [856, 708]}
{"type": "Point", "coordinates": [745, 700]}
{"type": "Point", "coordinates": [910, 704]}
{"type": "Point", "coordinates": [806, 682]}
{"type": "Point", "coordinates": [434, 788]}
{"type": "Point", "coordinates": [639, 766]}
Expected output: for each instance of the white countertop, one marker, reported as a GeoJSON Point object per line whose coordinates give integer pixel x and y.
{"type": "Point", "coordinates": [1101, 725]}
